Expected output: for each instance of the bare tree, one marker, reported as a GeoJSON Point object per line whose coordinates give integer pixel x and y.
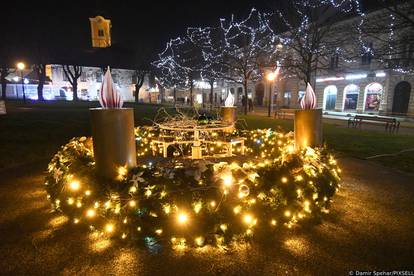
{"type": "Point", "coordinates": [40, 69]}
{"type": "Point", "coordinates": [139, 76]}
{"type": "Point", "coordinates": [4, 72]}
{"type": "Point", "coordinates": [390, 30]}
{"type": "Point", "coordinates": [248, 46]}
{"type": "Point", "coordinates": [180, 62]}
{"type": "Point", "coordinates": [312, 38]}
{"type": "Point", "coordinates": [73, 73]}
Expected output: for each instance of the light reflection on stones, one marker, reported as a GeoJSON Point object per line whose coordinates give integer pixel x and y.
{"type": "Point", "coordinates": [297, 246]}
{"type": "Point", "coordinates": [99, 243]}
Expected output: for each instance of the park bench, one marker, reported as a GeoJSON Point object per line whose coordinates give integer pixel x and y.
{"type": "Point", "coordinates": [391, 124]}
{"type": "Point", "coordinates": [283, 113]}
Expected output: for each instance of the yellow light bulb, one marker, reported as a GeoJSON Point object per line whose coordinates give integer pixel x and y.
{"type": "Point", "coordinates": [197, 207]}
{"type": "Point", "coordinates": [158, 231]}
{"type": "Point", "coordinates": [88, 192]}
{"type": "Point", "coordinates": [223, 227]}
{"type": "Point", "coordinates": [132, 203]}
{"type": "Point", "coordinates": [182, 218]}
{"type": "Point", "coordinates": [237, 209]}
{"type": "Point", "coordinates": [212, 203]}
{"type": "Point", "coordinates": [284, 179]}
{"type": "Point", "coordinates": [90, 213]}
{"type": "Point", "coordinates": [199, 241]}
{"type": "Point", "coordinates": [70, 201]}
{"type": "Point", "coordinates": [273, 222]}
{"type": "Point", "coordinates": [287, 213]}
{"type": "Point", "coordinates": [167, 209]}
{"type": "Point", "coordinates": [227, 180]}
{"type": "Point", "coordinates": [74, 185]}
{"type": "Point", "coordinates": [76, 221]}
{"type": "Point", "coordinates": [109, 228]}
{"type": "Point", "coordinates": [248, 219]}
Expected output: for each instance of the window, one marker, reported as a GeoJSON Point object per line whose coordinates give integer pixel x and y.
{"type": "Point", "coordinates": [334, 61]}
{"type": "Point", "coordinates": [64, 77]}
{"type": "Point", "coordinates": [329, 96]}
{"type": "Point", "coordinates": [98, 76]}
{"type": "Point", "coordinates": [115, 78]}
{"type": "Point", "coordinates": [300, 95]}
{"type": "Point", "coordinates": [82, 77]}
{"type": "Point", "coordinates": [373, 94]}
{"type": "Point", "coordinates": [367, 54]}
{"type": "Point", "coordinates": [101, 33]}
{"type": "Point", "coordinates": [351, 93]}
{"type": "Point", "coordinates": [287, 96]}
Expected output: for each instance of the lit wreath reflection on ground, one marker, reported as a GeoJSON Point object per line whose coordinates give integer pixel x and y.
{"type": "Point", "coordinates": [226, 193]}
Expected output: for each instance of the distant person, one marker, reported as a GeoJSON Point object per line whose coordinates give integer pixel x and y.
{"type": "Point", "coordinates": [244, 101]}
{"type": "Point", "coordinates": [250, 105]}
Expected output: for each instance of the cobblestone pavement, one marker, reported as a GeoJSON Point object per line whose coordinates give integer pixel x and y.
{"type": "Point", "coordinates": [370, 226]}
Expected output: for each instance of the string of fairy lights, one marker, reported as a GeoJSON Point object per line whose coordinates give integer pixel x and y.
{"type": "Point", "coordinates": [236, 50]}
{"type": "Point", "coordinates": [184, 202]}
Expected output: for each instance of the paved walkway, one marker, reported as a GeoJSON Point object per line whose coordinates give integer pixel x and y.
{"type": "Point", "coordinates": [370, 226]}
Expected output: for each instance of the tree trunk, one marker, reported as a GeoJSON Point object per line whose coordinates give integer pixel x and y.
{"type": "Point", "coordinates": [211, 94]}
{"type": "Point", "coordinates": [40, 90]}
{"type": "Point", "coordinates": [3, 87]}
{"type": "Point", "coordinates": [41, 75]}
{"type": "Point", "coordinates": [246, 97]}
{"type": "Point", "coordinates": [75, 91]}
{"type": "Point", "coordinates": [136, 93]}
{"type": "Point", "coordinates": [191, 93]}
{"type": "Point", "coordinates": [175, 95]}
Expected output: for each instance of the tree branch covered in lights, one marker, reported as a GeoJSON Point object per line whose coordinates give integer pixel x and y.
{"type": "Point", "coordinates": [235, 50]}
{"type": "Point", "coordinates": [196, 202]}
{"type": "Point", "coordinates": [390, 31]}
{"type": "Point", "coordinates": [179, 65]}
{"type": "Point", "coordinates": [313, 36]}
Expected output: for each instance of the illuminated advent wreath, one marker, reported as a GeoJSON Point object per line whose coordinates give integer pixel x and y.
{"type": "Point", "coordinates": [196, 202]}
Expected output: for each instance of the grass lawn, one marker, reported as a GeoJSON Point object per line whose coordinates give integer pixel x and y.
{"type": "Point", "coordinates": [354, 142]}
{"type": "Point", "coordinates": [35, 133]}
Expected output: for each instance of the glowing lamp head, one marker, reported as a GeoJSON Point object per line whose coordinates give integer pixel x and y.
{"type": "Point", "coordinates": [20, 66]}
{"type": "Point", "coordinates": [271, 76]}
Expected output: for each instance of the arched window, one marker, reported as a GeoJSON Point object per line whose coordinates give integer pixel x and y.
{"type": "Point", "coordinates": [373, 95]}
{"type": "Point", "coordinates": [329, 97]}
{"type": "Point", "coordinates": [351, 93]}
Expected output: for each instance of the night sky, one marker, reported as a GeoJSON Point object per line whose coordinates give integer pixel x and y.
{"type": "Point", "coordinates": [139, 28]}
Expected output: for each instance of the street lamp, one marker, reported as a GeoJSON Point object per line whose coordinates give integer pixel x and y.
{"type": "Point", "coordinates": [271, 77]}
{"type": "Point", "coordinates": [20, 67]}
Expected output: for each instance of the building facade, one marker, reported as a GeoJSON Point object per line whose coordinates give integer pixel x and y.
{"type": "Point", "coordinates": [58, 87]}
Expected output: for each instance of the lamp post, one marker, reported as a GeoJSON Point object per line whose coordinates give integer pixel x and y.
{"type": "Point", "coordinates": [271, 77]}
{"type": "Point", "coordinates": [20, 67]}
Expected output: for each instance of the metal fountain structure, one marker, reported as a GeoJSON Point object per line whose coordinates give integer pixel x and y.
{"type": "Point", "coordinates": [181, 130]}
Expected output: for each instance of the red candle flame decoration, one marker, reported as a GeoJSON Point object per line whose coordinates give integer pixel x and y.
{"type": "Point", "coordinates": [109, 95]}
{"type": "Point", "coordinates": [309, 99]}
